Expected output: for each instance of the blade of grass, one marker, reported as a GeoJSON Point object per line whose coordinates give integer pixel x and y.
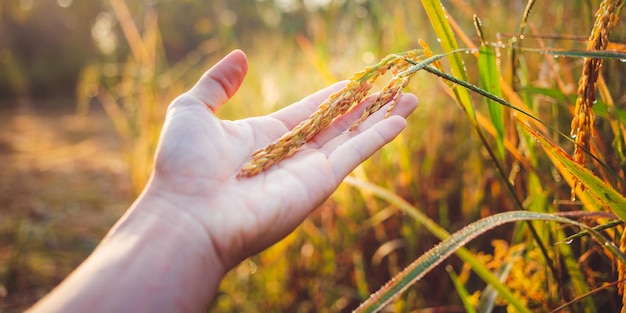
{"type": "Point", "coordinates": [596, 54]}
{"type": "Point", "coordinates": [439, 21]}
{"type": "Point", "coordinates": [607, 225]}
{"type": "Point", "coordinates": [435, 256]}
{"type": "Point", "coordinates": [428, 61]}
{"type": "Point", "coordinates": [490, 79]}
{"type": "Point", "coordinates": [461, 290]}
{"type": "Point", "coordinates": [477, 266]}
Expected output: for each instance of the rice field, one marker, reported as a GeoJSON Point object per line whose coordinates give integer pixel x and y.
{"type": "Point", "coordinates": [520, 127]}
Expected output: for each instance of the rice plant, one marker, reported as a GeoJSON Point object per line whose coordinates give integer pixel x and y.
{"type": "Point", "coordinates": [536, 135]}
{"type": "Point", "coordinates": [600, 196]}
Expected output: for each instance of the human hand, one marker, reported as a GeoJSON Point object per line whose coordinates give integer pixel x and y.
{"type": "Point", "coordinates": [199, 157]}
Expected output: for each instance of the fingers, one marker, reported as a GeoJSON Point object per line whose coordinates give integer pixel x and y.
{"type": "Point", "coordinates": [405, 105]}
{"type": "Point", "coordinates": [347, 156]}
{"type": "Point", "coordinates": [299, 111]}
{"type": "Point", "coordinates": [346, 150]}
{"type": "Point", "coordinates": [220, 83]}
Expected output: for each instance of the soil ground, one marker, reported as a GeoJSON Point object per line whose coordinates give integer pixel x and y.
{"type": "Point", "coordinates": [63, 184]}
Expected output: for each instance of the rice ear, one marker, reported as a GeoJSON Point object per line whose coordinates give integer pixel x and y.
{"type": "Point", "coordinates": [582, 125]}
{"type": "Point", "coordinates": [336, 105]}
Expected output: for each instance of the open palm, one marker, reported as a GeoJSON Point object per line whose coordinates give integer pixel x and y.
{"type": "Point", "coordinates": [200, 155]}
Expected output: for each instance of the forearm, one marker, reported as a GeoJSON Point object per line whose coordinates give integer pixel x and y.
{"type": "Point", "coordinates": [151, 261]}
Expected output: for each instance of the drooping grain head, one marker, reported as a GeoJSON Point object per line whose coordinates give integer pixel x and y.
{"type": "Point", "coordinates": [389, 95]}
{"type": "Point", "coordinates": [583, 120]}
{"type": "Point", "coordinates": [582, 125]}
{"type": "Point", "coordinates": [336, 105]}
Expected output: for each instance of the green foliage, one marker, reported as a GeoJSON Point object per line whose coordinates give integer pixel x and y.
{"type": "Point", "coordinates": [490, 78]}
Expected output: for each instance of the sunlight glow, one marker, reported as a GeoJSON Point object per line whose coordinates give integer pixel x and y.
{"type": "Point", "coordinates": [287, 5]}
{"type": "Point", "coordinates": [102, 33]}
{"type": "Point", "coordinates": [313, 5]}
{"type": "Point", "coordinates": [64, 3]}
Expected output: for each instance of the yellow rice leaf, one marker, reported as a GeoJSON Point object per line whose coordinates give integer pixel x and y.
{"type": "Point", "coordinates": [600, 190]}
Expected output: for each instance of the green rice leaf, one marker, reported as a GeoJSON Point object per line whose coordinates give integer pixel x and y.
{"type": "Point", "coordinates": [599, 54]}
{"type": "Point", "coordinates": [439, 21]}
{"type": "Point", "coordinates": [490, 79]}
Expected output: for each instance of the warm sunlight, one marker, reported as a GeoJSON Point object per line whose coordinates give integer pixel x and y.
{"type": "Point", "coordinates": [504, 191]}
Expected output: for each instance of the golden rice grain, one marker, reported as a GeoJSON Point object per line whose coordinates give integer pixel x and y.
{"type": "Point", "coordinates": [582, 123]}
{"type": "Point", "coordinates": [336, 105]}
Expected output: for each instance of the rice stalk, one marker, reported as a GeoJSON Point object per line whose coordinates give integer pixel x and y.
{"type": "Point", "coordinates": [334, 106]}
{"type": "Point", "coordinates": [402, 75]}
{"type": "Point", "coordinates": [582, 123]}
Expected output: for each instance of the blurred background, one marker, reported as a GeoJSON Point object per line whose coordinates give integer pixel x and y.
{"type": "Point", "coordinates": [83, 89]}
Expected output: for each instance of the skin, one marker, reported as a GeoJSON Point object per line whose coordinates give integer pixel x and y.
{"type": "Point", "coordinates": [195, 220]}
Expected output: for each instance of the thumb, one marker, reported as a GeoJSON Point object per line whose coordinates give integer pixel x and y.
{"type": "Point", "coordinates": [220, 83]}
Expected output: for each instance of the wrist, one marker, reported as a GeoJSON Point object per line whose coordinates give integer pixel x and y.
{"type": "Point", "coordinates": [172, 248]}
{"type": "Point", "coordinates": [153, 260]}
